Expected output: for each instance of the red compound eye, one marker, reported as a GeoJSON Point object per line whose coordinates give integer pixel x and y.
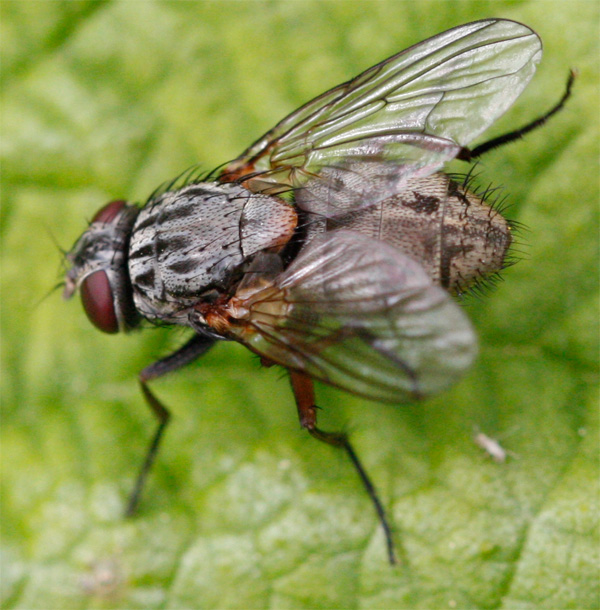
{"type": "Point", "coordinates": [109, 211]}
{"type": "Point", "coordinates": [97, 298]}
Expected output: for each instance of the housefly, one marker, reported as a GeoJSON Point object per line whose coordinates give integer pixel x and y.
{"type": "Point", "coordinates": [333, 246]}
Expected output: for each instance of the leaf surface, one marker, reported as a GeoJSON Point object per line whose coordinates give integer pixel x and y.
{"type": "Point", "coordinates": [244, 510]}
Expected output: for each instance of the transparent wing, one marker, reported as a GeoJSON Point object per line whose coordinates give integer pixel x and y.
{"type": "Point", "coordinates": [357, 314]}
{"type": "Point", "coordinates": [415, 109]}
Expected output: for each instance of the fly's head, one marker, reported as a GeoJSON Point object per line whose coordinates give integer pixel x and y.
{"type": "Point", "coordinates": [98, 268]}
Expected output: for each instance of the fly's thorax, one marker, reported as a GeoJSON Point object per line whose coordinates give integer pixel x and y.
{"type": "Point", "coordinates": [198, 241]}
{"type": "Point", "coordinates": [455, 235]}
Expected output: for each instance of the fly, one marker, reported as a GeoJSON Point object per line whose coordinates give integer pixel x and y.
{"type": "Point", "coordinates": [334, 244]}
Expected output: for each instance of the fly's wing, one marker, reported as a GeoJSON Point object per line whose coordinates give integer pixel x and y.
{"type": "Point", "coordinates": [414, 110]}
{"type": "Point", "coordinates": [357, 314]}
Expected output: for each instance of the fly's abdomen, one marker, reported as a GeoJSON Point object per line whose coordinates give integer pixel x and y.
{"type": "Point", "coordinates": [455, 235]}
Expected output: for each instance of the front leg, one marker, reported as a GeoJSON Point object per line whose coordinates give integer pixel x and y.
{"type": "Point", "coordinates": [193, 349]}
{"type": "Point", "coordinates": [304, 393]}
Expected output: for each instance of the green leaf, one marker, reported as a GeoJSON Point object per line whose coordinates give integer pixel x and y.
{"type": "Point", "coordinates": [243, 510]}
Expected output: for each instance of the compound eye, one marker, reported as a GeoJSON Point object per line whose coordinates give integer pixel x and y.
{"type": "Point", "coordinates": [98, 303]}
{"type": "Point", "coordinates": [109, 212]}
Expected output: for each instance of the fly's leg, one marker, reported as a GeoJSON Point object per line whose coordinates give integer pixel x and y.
{"type": "Point", "coordinates": [193, 349]}
{"type": "Point", "coordinates": [163, 415]}
{"type": "Point", "coordinates": [517, 134]}
{"type": "Point", "coordinates": [303, 388]}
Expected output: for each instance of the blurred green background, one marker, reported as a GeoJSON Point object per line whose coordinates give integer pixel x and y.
{"type": "Point", "coordinates": [103, 100]}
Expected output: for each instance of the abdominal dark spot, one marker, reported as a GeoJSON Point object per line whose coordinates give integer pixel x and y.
{"type": "Point", "coordinates": [449, 252]}
{"type": "Point", "coordinates": [454, 190]}
{"type": "Point", "coordinates": [422, 204]}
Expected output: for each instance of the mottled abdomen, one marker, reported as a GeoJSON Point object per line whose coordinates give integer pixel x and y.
{"type": "Point", "coordinates": [457, 237]}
